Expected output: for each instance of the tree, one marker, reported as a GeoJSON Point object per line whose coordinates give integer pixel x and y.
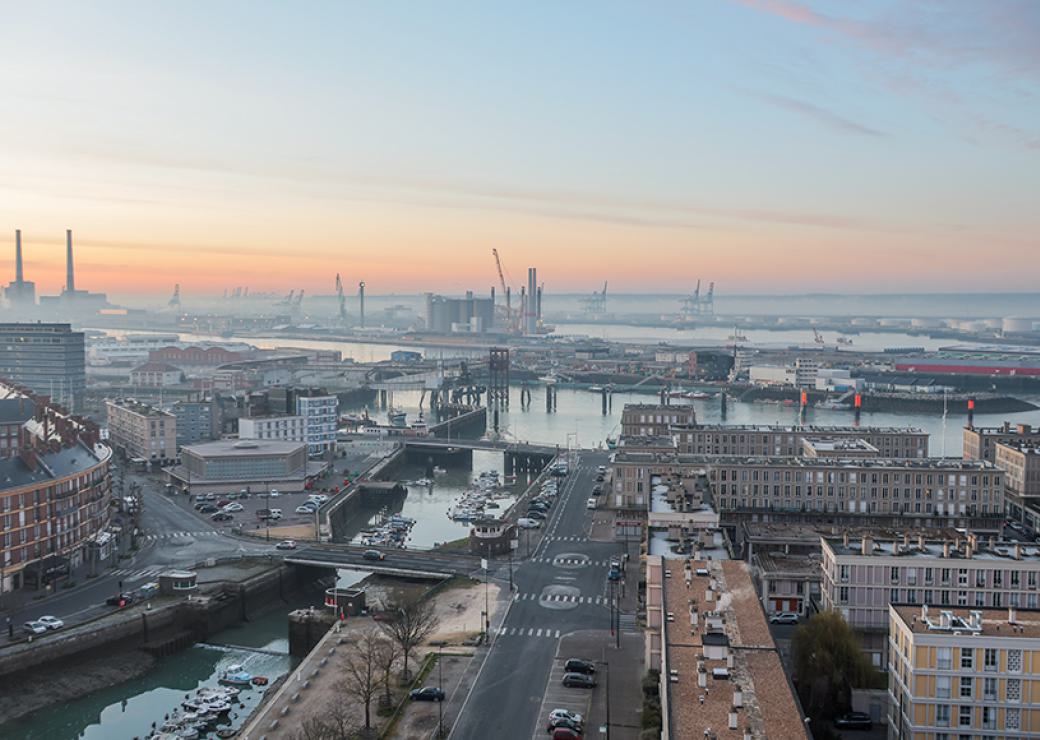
{"type": "Point", "coordinates": [361, 678]}
{"type": "Point", "coordinates": [388, 655]}
{"type": "Point", "coordinates": [409, 624]}
{"type": "Point", "coordinates": [334, 722]}
{"type": "Point", "coordinates": [828, 663]}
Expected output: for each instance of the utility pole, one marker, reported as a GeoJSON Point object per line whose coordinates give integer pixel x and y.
{"type": "Point", "coordinates": [440, 685]}
{"type": "Point", "coordinates": [487, 603]}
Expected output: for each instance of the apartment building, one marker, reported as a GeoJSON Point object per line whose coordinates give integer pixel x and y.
{"type": "Point", "coordinates": [635, 473]}
{"type": "Point", "coordinates": [1020, 461]}
{"type": "Point", "coordinates": [197, 421]}
{"type": "Point", "coordinates": [142, 431]}
{"type": "Point", "coordinates": [50, 359]}
{"type": "Point", "coordinates": [861, 578]}
{"type": "Point", "coordinates": [980, 443]}
{"type": "Point", "coordinates": [840, 448]}
{"type": "Point", "coordinates": [655, 420]}
{"type": "Point", "coordinates": [320, 412]}
{"type": "Point", "coordinates": [285, 428]}
{"type": "Point", "coordinates": [788, 441]}
{"type": "Point", "coordinates": [959, 674]}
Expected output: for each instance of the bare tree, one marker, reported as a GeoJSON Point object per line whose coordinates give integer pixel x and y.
{"type": "Point", "coordinates": [334, 722]}
{"type": "Point", "coordinates": [361, 679]}
{"type": "Point", "coordinates": [410, 623]}
{"type": "Point", "coordinates": [388, 655]}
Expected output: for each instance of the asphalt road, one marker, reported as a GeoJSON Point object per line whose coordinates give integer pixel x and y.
{"type": "Point", "coordinates": [561, 589]}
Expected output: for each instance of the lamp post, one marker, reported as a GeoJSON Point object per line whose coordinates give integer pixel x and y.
{"type": "Point", "coordinates": [487, 603]}
{"type": "Point", "coordinates": [267, 505]}
{"type": "Point", "coordinates": [440, 685]}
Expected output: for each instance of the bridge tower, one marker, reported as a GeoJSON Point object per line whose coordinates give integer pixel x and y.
{"type": "Point", "coordinates": [498, 378]}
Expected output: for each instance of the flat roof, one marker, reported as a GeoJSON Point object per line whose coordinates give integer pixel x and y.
{"type": "Point", "coordinates": [902, 463]}
{"type": "Point", "coordinates": [243, 448]}
{"type": "Point", "coordinates": [993, 622]}
{"type": "Point", "coordinates": [143, 409]}
{"type": "Point", "coordinates": [773, 563]}
{"type": "Point", "coordinates": [837, 445]}
{"type": "Point", "coordinates": [1002, 550]}
{"type": "Point", "coordinates": [803, 430]}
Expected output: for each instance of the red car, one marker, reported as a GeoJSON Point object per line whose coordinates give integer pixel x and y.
{"type": "Point", "coordinates": [564, 733]}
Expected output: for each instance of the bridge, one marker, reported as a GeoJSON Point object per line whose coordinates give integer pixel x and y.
{"type": "Point", "coordinates": [518, 457]}
{"type": "Point", "coordinates": [409, 563]}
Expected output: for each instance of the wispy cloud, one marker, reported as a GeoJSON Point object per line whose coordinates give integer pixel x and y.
{"type": "Point", "coordinates": [818, 113]}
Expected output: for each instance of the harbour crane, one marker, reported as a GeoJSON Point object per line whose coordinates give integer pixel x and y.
{"type": "Point", "coordinates": [299, 298]}
{"type": "Point", "coordinates": [342, 299]}
{"type": "Point", "coordinates": [505, 290]}
{"type": "Point", "coordinates": [817, 337]}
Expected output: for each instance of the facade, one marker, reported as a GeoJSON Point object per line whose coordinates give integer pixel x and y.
{"type": "Point", "coordinates": [320, 412]}
{"type": "Point", "coordinates": [49, 359]}
{"type": "Point", "coordinates": [654, 420]}
{"type": "Point", "coordinates": [284, 428]}
{"type": "Point", "coordinates": [14, 412]}
{"type": "Point", "coordinates": [156, 375]}
{"type": "Point", "coordinates": [142, 431]}
{"type": "Point", "coordinates": [786, 583]}
{"type": "Point", "coordinates": [772, 375]}
{"type": "Point", "coordinates": [927, 490]}
{"type": "Point", "coordinates": [980, 443]}
{"type": "Point", "coordinates": [195, 357]}
{"type": "Point", "coordinates": [128, 348]}
{"type": "Point", "coordinates": [961, 674]}
{"type": "Point", "coordinates": [787, 441]}
{"type": "Point", "coordinates": [197, 421]}
{"type": "Point", "coordinates": [230, 465]}
{"type": "Point", "coordinates": [1020, 462]}
{"type": "Point", "coordinates": [861, 578]}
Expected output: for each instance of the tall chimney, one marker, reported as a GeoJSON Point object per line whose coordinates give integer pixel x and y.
{"type": "Point", "coordinates": [70, 272]}
{"type": "Point", "coordinates": [531, 307]}
{"type": "Point", "coordinates": [361, 301]}
{"type": "Point", "coordinates": [19, 276]}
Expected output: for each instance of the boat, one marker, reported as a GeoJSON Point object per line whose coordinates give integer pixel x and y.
{"type": "Point", "coordinates": [397, 418]}
{"type": "Point", "coordinates": [437, 470]}
{"type": "Point", "coordinates": [701, 395]}
{"type": "Point", "coordinates": [830, 403]}
{"type": "Point", "coordinates": [236, 676]}
{"type": "Point", "coordinates": [596, 388]}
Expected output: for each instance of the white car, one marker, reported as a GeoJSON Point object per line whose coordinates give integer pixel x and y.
{"type": "Point", "coordinates": [274, 494]}
{"type": "Point", "coordinates": [525, 523]}
{"type": "Point", "coordinates": [784, 618]}
{"type": "Point", "coordinates": [232, 508]}
{"type": "Point", "coordinates": [590, 504]}
{"type": "Point", "coordinates": [35, 627]}
{"type": "Point", "coordinates": [52, 623]}
{"type": "Point", "coordinates": [304, 509]}
{"type": "Point", "coordinates": [566, 714]}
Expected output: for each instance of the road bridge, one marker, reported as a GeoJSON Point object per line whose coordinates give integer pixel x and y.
{"type": "Point", "coordinates": [396, 562]}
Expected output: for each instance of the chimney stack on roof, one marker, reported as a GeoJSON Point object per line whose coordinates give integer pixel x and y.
{"type": "Point", "coordinates": [867, 545]}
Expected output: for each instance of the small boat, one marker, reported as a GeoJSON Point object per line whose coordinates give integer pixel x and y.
{"type": "Point", "coordinates": [700, 395]}
{"type": "Point", "coordinates": [844, 340]}
{"type": "Point", "coordinates": [236, 676]}
{"type": "Point", "coordinates": [422, 482]}
{"type": "Point", "coordinates": [437, 470]}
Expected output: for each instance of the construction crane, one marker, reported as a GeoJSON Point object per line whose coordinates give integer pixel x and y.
{"type": "Point", "coordinates": [597, 302]}
{"type": "Point", "coordinates": [505, 292]}
{"type": "Point", "coordinates": [175, 299]}
{"type": "Point", "coordinates": [342, 299]}
{"type": "Point", "coordinates": [817, 337]}
{"type": "Point", "coordinates": [501, 275]}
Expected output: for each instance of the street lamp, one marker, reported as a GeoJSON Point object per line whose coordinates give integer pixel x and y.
{"type": "Point", "coordinates": [440, 685]}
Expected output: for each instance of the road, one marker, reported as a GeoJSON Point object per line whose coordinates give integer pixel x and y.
{"type": "Point", "coordinates": [561, 589]}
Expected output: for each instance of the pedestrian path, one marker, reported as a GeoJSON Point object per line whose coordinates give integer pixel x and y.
{"type": "Point", "coordinates": [175, 535]}
{"type": "Point", "coordinates": [531, 596]}
{"type": "Point", "coordinates": [529, 632]}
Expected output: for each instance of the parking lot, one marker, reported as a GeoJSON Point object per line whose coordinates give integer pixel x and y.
{"type": "Point", "coordinates": [252, 503]}
{"type": "Point", "coordinates": [558, 696]}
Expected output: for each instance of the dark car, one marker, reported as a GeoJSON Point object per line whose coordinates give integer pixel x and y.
{"type": "Point", "coordinates": [579, 681]}
{"type": "Point", "coordinates": [565, 733]}
{"type": "Point", "coordinates": [208, 509]}
{"type": "Point", "coordinates": [120, 600]}
{"type": "Point", "coordinates": [427, 693]}
{"type": "Point", "coordinates": [854, 721]}
{"type": "Point", "coordinates": [597, 490]}
{"type": "Point", "coordinates": [200, 504]}
{"type": "Point", "coordinates": [372, 555]}
{"type": "Point", "coordinates": [536, 514]}
{"type": "Point", "coordinates": [563, 722]}
{"type": "Point", "coordinates": [221, 516]}
{"type": "Point", "coordinates": [600, 478]}
{"type": "Point", "coordinates": [537, 503]}
{"type": "Point", "coordinates": [577, 665]}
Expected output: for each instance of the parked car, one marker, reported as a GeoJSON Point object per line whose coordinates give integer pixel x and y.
{"type": "Point", "coordinates": [286, 545]}
{"type": "Point", "coordinates": [854, 721]}
{"type": "Point", "coordinates": [223, 503]}
{"type": "Point", "coordinates": [579, 681]}
{"type": "Point", "coordinates": [590, 504]}
{"type": "Point", "coordinates": [373, 555]}
{"type": "Point", "coordinates": [564, 722]}
{"type": "Point", "coordinates": [427, 693]}
{"type": "Point", "coordinates": [601, 468]}
{"type": "Point", "coordinates": [51, 623]}
{"type": "Point", "coordinates": [574, 716]}
{"type": "Point", "coordinates": [199, 505]}
{"type": "Point", "coordinates": [304, 509]}
{"type": "Point", "coordinates": [222, 516]}
{"type": "Point", "coordinates": [34, 628]}
{"type": "Point", "coordinates": [600, 478]}
{"type": "Point", "coordinates": [536, 514]}
{"type": "Point", "coordinates": [232, 508]}
{"type": "Point", "coordinates": [597, 490]}
{"type": "Point", "coordinates": [528, 523]}
{"type": "Point", "coordinates": [577, 665]}
{"type": "Point", "coordinates": [124, 599]}
{"type": "Point", "coordinates": [275, 514]}
{"type": "Point", "coordinates": [565, 733]}
{"type": "Point", "coordinates": [208, 509]}
{"type": "Point", "coordinates": [784, 618]}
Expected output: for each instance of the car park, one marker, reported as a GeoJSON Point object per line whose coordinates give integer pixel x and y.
{"type": "Point", "coordinates": [286, 545]}
{"type": "Point", "coordinates": [528, 523]}
{"type": "Point", "coordinates": [373, 555]}
{"type": "Point", "coordinates": [579, 681]}
{"type": "Point", "coordinates": [427, 693]}
{"type": "Point", "coordinates": [577, 665]}
{"type": "Point", "coordinates": [51, 623]}
{"type": "Point", "coordinates": [34, 628]}
{"type": "Point", "coordinates": [854, 721]}
{"type": "Point", "coordinates": [784, 618]}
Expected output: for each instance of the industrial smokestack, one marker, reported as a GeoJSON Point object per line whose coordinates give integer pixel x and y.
{"type": "Point", "coordinates": [70, 272]}
{"type": "Point", "coordinates": [531, 312]}
{"type": "Point", "coordinates": [538, 313]}
{"type": "Point", "coordinates": [19, 276]}
{"type": "Point", "coordinates": [361, 300]}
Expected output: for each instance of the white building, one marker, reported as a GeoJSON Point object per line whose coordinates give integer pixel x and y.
{"type": "Point", "coordinates": [284, 428]}
{"type": "Point", "coordinates": [320, 417]}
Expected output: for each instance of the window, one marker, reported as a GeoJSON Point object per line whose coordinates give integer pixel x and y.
{"type": "Point", "coordinates": [989, 660]}
{"type": "Point", "coordinates": [964, 717]}
{"type": "Point", "coordinates": [945, 657]}
{"type": "Point", "coordinates": [942, 715]}
{"type": "Point", "coordinates": [942, 687]}
{"type": "Point", "coordinates": [1012, 719]}
{"type": "Point", "coordinates": [989, 689]}
{"type": "Point", "coordinates": [843, 595]}
{"type": "Point", "coordinates": [1014, 690]}
{"type": "Point", "coordinates": [967, 658]}
{"type": "Point", "coordinates": [989, 718]}
{"type": "Point", "coordinates": [966, 687]}
{"type": "Point", "coordinates": [1014, 661]}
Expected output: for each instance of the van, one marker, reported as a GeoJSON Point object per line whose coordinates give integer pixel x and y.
{"type": "Point", "coordinates": [590, 504]}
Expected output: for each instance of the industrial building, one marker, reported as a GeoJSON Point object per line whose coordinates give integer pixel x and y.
{"type": "Point", "coordinates": [469, 315]}
{"type": "Point", "coordinates": [47, 358]}
{"type": "Point", "coordinates": [72, 301]}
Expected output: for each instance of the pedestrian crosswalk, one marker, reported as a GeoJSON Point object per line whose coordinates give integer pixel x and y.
{"type": "Point", "coordinates": [627, 622]}
{"type": "Point", "coordinates": [568, 538]}
{"type": "Point", "coordinates": [531, 596]}
{"type": "Point", "coordinates": [571, 561]}
{"type": "Point", "coordinates": [529, 632]}
{"type": "Point", "coordinates": [174, 535]}
{"type": "Point", "coordinates": [130, 574]}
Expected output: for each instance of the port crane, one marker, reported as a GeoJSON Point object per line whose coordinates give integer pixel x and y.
{"type": "Point", "coordinates": [695, 304]}
{"type": "Point", "coordinates": [341, 298]}
{"type": "Point", "coordinates": [817, 337]}
{"type": "Point", "coordinates": [597, 302]}
{"type": "Point", "coordinates": [506, 293]}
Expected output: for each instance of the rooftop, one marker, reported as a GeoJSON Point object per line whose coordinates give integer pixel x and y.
{"type": "Point", "coordinates": [14, 473]}
{"type": "Point", "coordinates": [768, 706]}
{"type": "Point", "coordinates": [244, 448]}
{"type": "Point", "coordinates": [958, 549]}
{"type": "Point", "coordinates": [854, 444]}
{"type": "Point", "coordinates": [16, 410]}
{"type": "Point", "coordinates": [658, 441]}
{"type": "Point", "coordinates": [156, 367]}
{"type": "Point", "coordinates": [877, 463]}
{"type": "Point", "coordinates": [804, 532]}
{"type": "Point", "coordinates": [802, 430]}
{"type": "Point", "coordinates": [143, 409]}
{"type": "Point", "coordinates": [776, 562]}
{"type": "Point", "coordinates": [922, 620]}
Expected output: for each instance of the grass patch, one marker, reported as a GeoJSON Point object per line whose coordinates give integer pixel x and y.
{"type": "Point", "coordinates": [459, 545]}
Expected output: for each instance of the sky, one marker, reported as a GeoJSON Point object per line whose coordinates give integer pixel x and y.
{"type": "Point", "coordinates": [773, 146]}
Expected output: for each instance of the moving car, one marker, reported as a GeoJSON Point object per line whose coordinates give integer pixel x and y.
{"type": "Point", "coordinates": [579, 681]}
{"type": "Point", "coordinates": [577, 665]}
{"type": "Point", "coordinates": [286, 545]}
{"type": "Point", "coordinates": [854, 721]}
{"type": "Point", "coordinates": [528, 523]}
{"type": "Point", "coordinates": [601, 468]}
{"type": "Point", "coordinates": [427, 693]}
{"type": "Point", "coordinates": [51, 623]}
{"type": "Point", "coordinates": [784, 618]}
{"type": "Point", "coordinates": [34, 628]}
{"type": "Point", "coordinates": [120, 600]}
{"type": "Point", "coordinates": [373, 555]}
{"type": "Point", "coordinates": [274, 494]}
